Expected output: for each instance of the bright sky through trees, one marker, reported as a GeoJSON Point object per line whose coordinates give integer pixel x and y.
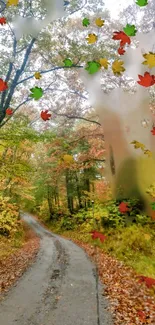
{"type": "Point", "coordinates": [116, 6]}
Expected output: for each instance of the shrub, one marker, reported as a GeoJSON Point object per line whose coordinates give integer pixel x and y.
{"type": "Point", "coordinates": [67, 223]}
{"type": "Point", "coordinates": [9, 217]}
{"type": "Point", "coordinates": [112, 217]}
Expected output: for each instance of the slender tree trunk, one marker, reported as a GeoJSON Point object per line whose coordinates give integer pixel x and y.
{"type": "Point", "coordinates": [78, 191]}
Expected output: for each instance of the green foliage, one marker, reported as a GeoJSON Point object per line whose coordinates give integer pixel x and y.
{"type": "Point", "coordinates": [9, 217]}
{"type": "Point", "coordinates": [135, 245]}
{"type": "Point", "coordinates": [112, 217]}
{"type": "Point", "coordinates": [67, 223]}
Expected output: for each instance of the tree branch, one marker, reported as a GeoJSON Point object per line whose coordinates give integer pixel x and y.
{"type": "Point", "coordinates": [76, 118]}
{"type": "Point", "coordinates": [17, 76]}
{"type": "Point", "coordinates": [46, 71]}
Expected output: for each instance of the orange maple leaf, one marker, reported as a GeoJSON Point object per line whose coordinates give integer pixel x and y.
{"type": "Point", "coordinates": [45, 115]}
{"type": "Point", "coordinates": [124, 39]}
{"type": "Point", "coordinates": [147, 80]}
{"type": "Point", "coordinates": [3, 85]}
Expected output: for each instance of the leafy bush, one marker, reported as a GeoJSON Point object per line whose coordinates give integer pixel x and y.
{"type": "Point", "coordinates": [9, 217]}
{"type": "Point", "coordinates": [112, 217]}
{"type": "Point", "coordinates": [135, 245]}
{"type": "Point", "coordinates": [67, 223]}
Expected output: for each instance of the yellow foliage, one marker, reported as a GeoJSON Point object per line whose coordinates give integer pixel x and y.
{"type": "Point", "coordinates": [9, 217]}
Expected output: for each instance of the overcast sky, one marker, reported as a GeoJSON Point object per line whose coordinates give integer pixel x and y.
{"type": "Point", "coordinates": [115, 6]}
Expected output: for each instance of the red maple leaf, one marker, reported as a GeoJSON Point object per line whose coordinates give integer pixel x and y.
{"type": "Point", "coordinates": [123, 207]}
{"type": "Point", "coordinates": [121, 51]}
{"type": "Point", "coordinates": [9, 111]}
{"type": "Point", "coordinates": [141, 315]}
{"type": "Point", "coordinates": [124, 39]}
{"type": "Point", "coordinates": [147, 80]}
{"type": "Point", "coordinates": [3, 85]}
{"type": "Point", "coordinates": [45, 115]}
{"type": "Point", "coordinates": [153, 130]}
{"type": "Point", "coordinates": [96, 235]}
{"type": "Point", "coordinates": [148, 281]}
{"type": "Point", "coordinates": [2, 20]}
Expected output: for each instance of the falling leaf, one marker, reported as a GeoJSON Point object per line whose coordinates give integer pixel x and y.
{"type": "Point", "coordinates": [85, 22]}
{"type": "Point", "coordinates": [104, 63]}
{"type": "Point", "coordinates": [147, 80]}
{"type": "Point", "coordinates": [12, 2]}
{"type": "Point", "coordinates": [99, 22]}
{"type": "Point", "coordinates": [3, 85]}
{"type": "Point", "coordinates": [9, 111]}
{"type": "Point", "coordinates": [121, 51]}
{"type": "Point", "coordinates": [148, 152]}
{"type": "Point", "coordinates": [123, 207]}
{"type": "Point", "coordinates": [93, 67]}
{"type": "Point", "coordinates": [68, 159]}
{"type": "Point", "coordinates": [130, 30]}
{"type": "Point", "coordinates": [153, 206]}
{"type": "Point", "coordinates": [141, 315]}
{"type": "Point", "coordinates": [45, 115]}
{"type": "Point", "coordinates": [150, 59]}
{"type": "Point", "coordinates": [153, 130]}
{"type": "Point", "coordinates": [37, 75]}
{"type": "Point", "coordinates": [142, 3]}
{"type": "Point", "coordinates": [36, 93]}
{"type": "Point", "coordinates": [2, 21]}
{"type": "Point", "coordinates": [117, 67]}
{"type": "Point", "coordinates": [98, 235]}
{"type": "Point", "coordinates": [150, 282]}
{"type": "Point", "coordinates": [92, 38]}
{"type": "Point", "coordinates": [138, 145]}
{"type": "Point", "coordinates": [125, 39]}
{"type": "Point", "coordinates": [68, 62]}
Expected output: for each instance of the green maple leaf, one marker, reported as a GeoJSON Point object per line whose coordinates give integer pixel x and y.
{"type": "Point", "coordinates": [85, 22]}
{"type": "Point", "coordinates": [36, 93]}
{"type": "Point", "coordinates": [130, 30]}
{"type": "Point", "coordinates": [153, 206]}
{"type": "Point", "coordinates": [93, 67]}
{"type": "Point", "coordinates": [68, 63]}
{"type": "Point", "coordinates": [142, 3]}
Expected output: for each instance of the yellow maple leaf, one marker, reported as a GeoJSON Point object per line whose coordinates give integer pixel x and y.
{"type": "Point", "coordinates": [138, 145]}
{"type": "Point", "coordinates": [148, 152]}
{"type": "Point", "coordinates": [92, 38]}
{"type": "Point", "coordinates": [68, 158]}
{"type": "Point", "coordinates": [117, 67]}
{"type": "Point", "coordinates": [12, 3]}
{"type": "Point", "coordinates": [99, 22]}
{"type": "Point", "coordinates": [150, 59]}
{"type": "Point", "coordinates": [104, 63]}
{"type": "Point", "coordinates": [37, 75]}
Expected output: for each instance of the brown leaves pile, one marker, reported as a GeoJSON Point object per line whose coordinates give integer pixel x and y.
{"type": "Point", "coordinates": [14, 266]}
{"type": "Point", "coordinates": [130, 302]}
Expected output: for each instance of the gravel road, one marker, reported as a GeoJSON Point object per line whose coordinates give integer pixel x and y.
{"type": "Point", "coordinates": [58, 289]}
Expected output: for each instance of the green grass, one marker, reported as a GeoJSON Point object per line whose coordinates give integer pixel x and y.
{"type": "Point", "coordinates": [134, 245]}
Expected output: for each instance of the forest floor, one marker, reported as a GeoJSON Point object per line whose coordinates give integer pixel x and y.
{"type": "Point", "coordinates": [15, 257]}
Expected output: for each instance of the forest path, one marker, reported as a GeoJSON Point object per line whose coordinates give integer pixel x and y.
{"type": "Point", "coordinates": [58, 289]}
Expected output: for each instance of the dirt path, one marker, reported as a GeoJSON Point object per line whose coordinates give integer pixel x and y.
{"type": "Point", "coordinates": [58, 289]}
